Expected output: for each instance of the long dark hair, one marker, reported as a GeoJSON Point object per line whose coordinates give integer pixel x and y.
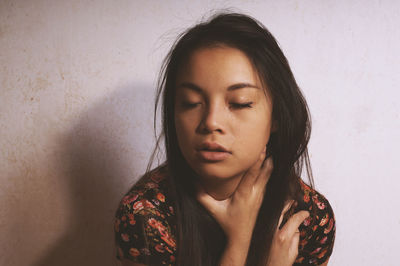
{"type": "Point", "coordinates": [200, 239]}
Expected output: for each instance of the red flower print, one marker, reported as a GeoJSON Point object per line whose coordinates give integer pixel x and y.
{"type": "Point", "coordinates": [125, 237]}
{"type": "Point", "coordinates": [167, 239]}
{"type": "Point", "coordinates": [321, 205]}
{"type": "Point", "coordinates": [307, 221]}
{"type": "Point", "coordinates": [315, 227]}
{"type": "Point", "coordinates": [153, 222]}
{"type": "Point", "coordinates": [148, 204]}
{"type": "Point", "coordinates": [157, 225]}
{"type": "Point", "coordinates": [315, 251]}
{"type": "Point", "coordinates": [330, 226]}
{"type": "Point", "coordinates": [315, 198]}
{"type": "Point", "coordinates": [159, 248]}
{"type": "Point", "coordinates": [162, 230]}
{"type": "Point", "coordinates": [306, 198]}
{"type": "Point", "coordinates": [138, 205]}
{"type": "Point", "coordinates": [123, 218]}
{"type": "Point", "coordinates": [320, 255]}
{"type": "Point", "coordinates": [170, 251]}
{"type": "Point", "coordinates": [129, 199]}
{"type": "Point", "coordinates": [161, 197]}
{"type": "Point", "coordinates": [134, 252]}
{"type": "Point", "coordinates": [324, 220]}
{"type": "Point", "coordinates": [172, 258]}
{"type": "Point", "coordinates": [131, 219]}
{"type": "Point", "coordinates": [323, 240]}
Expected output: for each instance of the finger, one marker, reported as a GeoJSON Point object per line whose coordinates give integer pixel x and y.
{"type": "Point", "coordinates": [251, 175]}
{"type": "Point", "coordinates": [294, 222]}
{"type": "Point", "coordinates": [294, 245]}
{"type": "Point", "coordinates": [265, 172]}
{"type": "Point", "coordinates": [285, 209]}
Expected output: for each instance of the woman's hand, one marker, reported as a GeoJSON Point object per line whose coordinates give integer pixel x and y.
{"type": "Point", "coordinates": [285, 243]}
{"type": "Point", "coordinates": [238, 213]}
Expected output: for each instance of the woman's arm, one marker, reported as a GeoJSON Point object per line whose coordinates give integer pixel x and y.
{"type": "Point", "coordinates": [235, 253]}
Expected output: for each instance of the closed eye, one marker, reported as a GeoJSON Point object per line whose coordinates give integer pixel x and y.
{"type": "Point", "coordinates": [241, 105]}
{"type": "Point", "coordinates": [189, 105]}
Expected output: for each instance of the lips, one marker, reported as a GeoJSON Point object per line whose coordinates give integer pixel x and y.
{"type": "Point", "coordinates": [212, 152]}
{"type": "Point", "coordinates": [212, 146]}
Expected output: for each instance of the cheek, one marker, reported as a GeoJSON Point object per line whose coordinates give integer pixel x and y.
{"type": "Point", "coordinates": [184, 127]}
{"type": "Point", "coordinates": [253, 136]}
{"type": "Point", "coordinates": [181, 123]}
{"type": "Point", "coordinates": [253, 143]}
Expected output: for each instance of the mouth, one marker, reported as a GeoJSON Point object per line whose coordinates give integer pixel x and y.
{"type": "Point", "coordinates": [213, 152]}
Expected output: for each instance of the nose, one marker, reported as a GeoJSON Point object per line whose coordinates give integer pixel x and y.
{"type": "Point", "coordinates": [213, 119]}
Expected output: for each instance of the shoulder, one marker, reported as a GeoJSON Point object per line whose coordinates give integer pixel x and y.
{"type": "Point", "coordinates": [148, 194]}
{"type": "Point", "coordinates": [144, 222]}
{"type": "Point", "coordinates": [317, 233]}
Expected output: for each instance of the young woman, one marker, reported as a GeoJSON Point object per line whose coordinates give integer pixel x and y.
{"type": "Point", "coordinates": [236, 129]}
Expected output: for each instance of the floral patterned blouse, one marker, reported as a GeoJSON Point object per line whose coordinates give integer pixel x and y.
{"type": "Point", "coordinates": [145, 224]}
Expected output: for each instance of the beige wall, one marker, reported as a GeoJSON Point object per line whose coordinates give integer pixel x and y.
{"type": "Point", "coordinates": [76, 102]}
{"type": "Point", "coordinates": [74, 114]}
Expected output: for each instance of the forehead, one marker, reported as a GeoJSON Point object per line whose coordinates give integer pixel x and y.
{"type": "Point", "coordinates": [218, 67]}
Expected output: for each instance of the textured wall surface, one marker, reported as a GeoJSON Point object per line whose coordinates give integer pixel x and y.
{"type": "Point", "coordinates": [76, 104]}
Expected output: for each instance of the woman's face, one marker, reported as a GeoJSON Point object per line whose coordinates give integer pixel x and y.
{"type": "Point", "coordinates": [222, 115]}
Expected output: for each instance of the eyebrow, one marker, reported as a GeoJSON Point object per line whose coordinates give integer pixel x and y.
{"type": "Point", "coordinates": [233, 87]}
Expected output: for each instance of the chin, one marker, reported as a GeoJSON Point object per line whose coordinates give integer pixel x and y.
{"type": "Point", "coordinates": [215, 171]}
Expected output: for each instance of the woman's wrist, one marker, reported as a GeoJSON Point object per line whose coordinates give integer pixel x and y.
{"type": "Point", "coordinates": [235, 253]}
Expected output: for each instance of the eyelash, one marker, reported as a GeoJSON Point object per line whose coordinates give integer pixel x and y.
{"type": "Point", "coordinates": [234, 105]}
{"type": "Point", "coordinates": [242, 105]}
{"type": "Point", "coordinates": [189, 105]}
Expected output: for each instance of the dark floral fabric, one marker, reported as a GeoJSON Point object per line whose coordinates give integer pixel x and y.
{"type": "Point", "coordinates": [317, 232]}
{"type": "Point", "coordinates": [145, 224]}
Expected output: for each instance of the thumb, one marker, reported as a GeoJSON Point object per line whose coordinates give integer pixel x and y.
{"type": "Point", "coordinates": [294, 245]}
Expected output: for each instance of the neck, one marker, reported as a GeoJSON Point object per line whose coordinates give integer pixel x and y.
{"type": "Point", "coordinates": [221, 189]}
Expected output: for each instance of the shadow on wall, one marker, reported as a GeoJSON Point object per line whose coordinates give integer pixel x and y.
{"type": "Point", "coordinates": [104, 155]}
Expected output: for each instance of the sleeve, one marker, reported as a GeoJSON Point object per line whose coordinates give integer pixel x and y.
{"type": "Point", "coordinates": [317, 233]}
{"type": "Point", "coordinates": [141, 234]}
{"type": "Point", "coordinates": [130, 236]}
